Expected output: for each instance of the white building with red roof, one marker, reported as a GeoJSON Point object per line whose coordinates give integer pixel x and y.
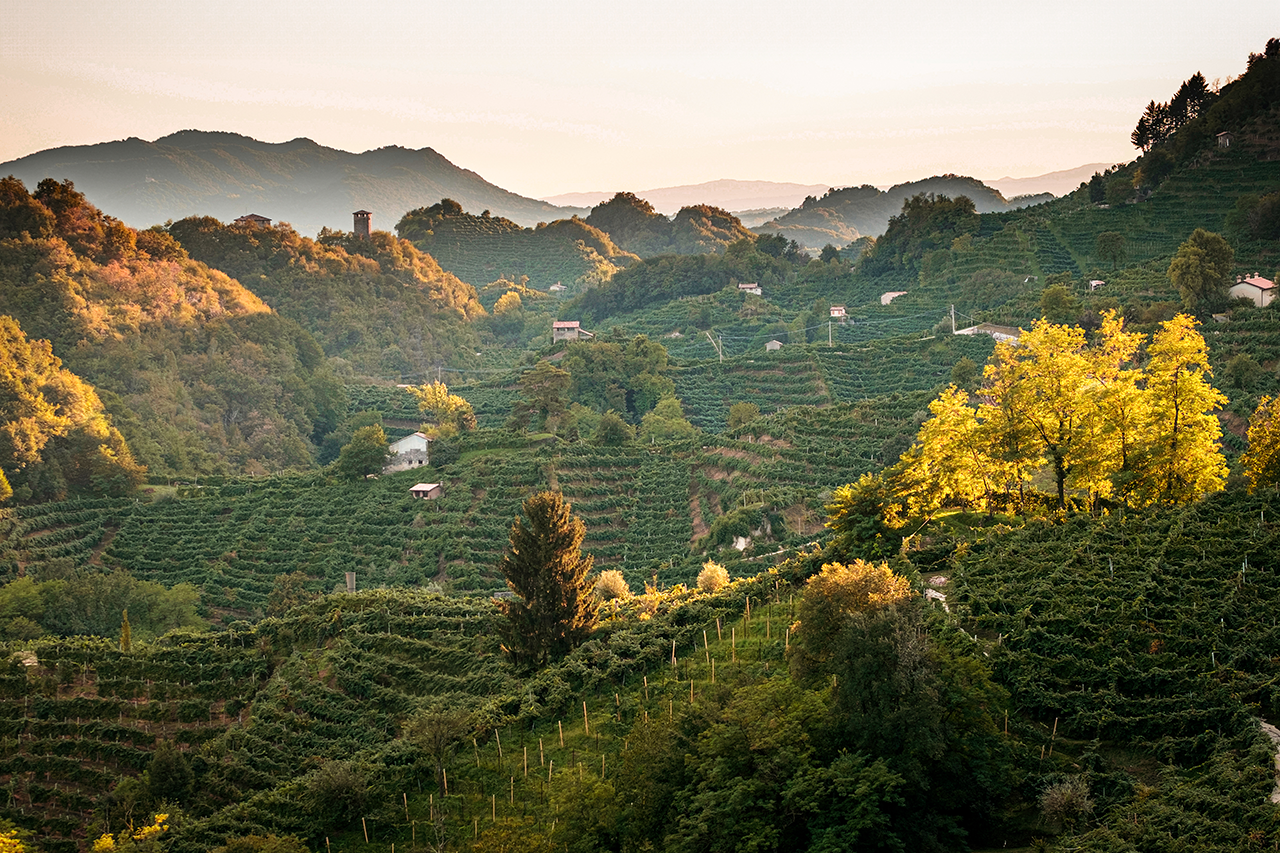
{"type": "Point", "coordinates": [1258, 290]}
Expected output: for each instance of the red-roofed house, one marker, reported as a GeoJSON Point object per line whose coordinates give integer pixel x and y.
{"type": "Point", "coordinates": [1260, 291]}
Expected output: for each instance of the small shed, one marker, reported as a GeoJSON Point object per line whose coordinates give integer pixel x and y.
{"type": "Point", "coordinates": [1095, 283]}
{"type": "Point", "coordinates": [557, 288]}
{"type": "Point", "coordinates": [889, 296]}
{"type": "Point", "coordinates": [253, 219]}
{"type": "Point", "coordinates": [750, 287]}
{"type": "Point", "coordinates": [773, 345]}
{"type": "Point", "coordinates": [837, 312]}
{"type": "Point", "coordinates": [427, 491]}
{"type": "Point", "coordinates": [1260, 291]}
{"type": "Point", "coordinates": [568, 330]}
{"type": "Point", "coordinates": [1225, 139]}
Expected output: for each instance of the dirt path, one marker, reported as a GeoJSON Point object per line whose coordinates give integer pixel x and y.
{"type": "Point", "coordinates": [1274, 733]}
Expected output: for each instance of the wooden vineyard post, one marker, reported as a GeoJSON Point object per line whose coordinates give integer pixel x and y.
{"type": "Point", "coordinates": [513, 790]}
{"type": "Point", "coordinates": [713, 670]}
{"type": "Point", "coordinates": [560, 725]}
{"type": "Point", "coordinates": [526, 762]}
{"type": "Point", "coordinates": [498, 738]}
{"type": "Point", "coordinates": [705, 647]}
{"type": "Point", "coordinates": [406, 804]}
{"type": "Point", "coordinates": [542, 759]}
{"type": "Point", "coordinates": [646, 688]}
{"type": "Point", "coordinates": [493, 804]}
{"type": "Point", "coordinates": [617, 700]}
{"type": "Point", "coordinates": [445, 775]}
{"type": "Point", "coordinates": [366, 830]}
{"type": "Point", "coordinates": [550, 766]}
{"type": "Point", "coordinates": [586, 725]}
{"type": "Point", "coordinates": [733, 646]}
{"type": "Point", "coordinates": [719, 636]}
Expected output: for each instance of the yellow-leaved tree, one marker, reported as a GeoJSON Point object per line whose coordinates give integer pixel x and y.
{"type": "Point", "coordinates": [451, 413]}
{"type": "Point", "coordinates": [1262, 460]}
{"type": "Point", "coordinates": [1183, 437]}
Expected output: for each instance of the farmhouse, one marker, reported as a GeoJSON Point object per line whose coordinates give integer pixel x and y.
{"type": "Point", "coordinates": [568, 330]}
{"type": "Point", "coordinates": [1258, 290]}
{"type": "Point", "coordinates": [253, 219]}
{"type": "Point", "coordinates": [773, 345]}
{"type": "Point", "coordinates": [752, 287]}
{"type": "Point", "coordinates": [1008, 334]}
{"type": "Point", "coordinates": [1225, 139]}
{"type": "Point", "coordinates": [889, 296]}
{"type": "Point", "coordinates": [427, 491]}
{"type": "Point", "coordinates": [837, 312]}
{"type": "Point", "coordinates": [412, 451]}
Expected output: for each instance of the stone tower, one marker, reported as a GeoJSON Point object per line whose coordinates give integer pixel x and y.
{"type": "Point", "coordinates": [362, 223]}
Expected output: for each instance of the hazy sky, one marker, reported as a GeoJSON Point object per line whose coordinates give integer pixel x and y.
{"type": "Point", "coordinates": [544, 98]}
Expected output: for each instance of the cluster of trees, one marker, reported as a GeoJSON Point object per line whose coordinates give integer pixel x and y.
{"type": "Point", "coordinates": [1088, 417]}
{"type": "Point", "coordinates": [769, 259]}
{"type": "Point", "coordinates": [380, 305]}
{"type": "Point", "coordinates": [198, 374]}
{"type": "Point", "coordinates": [636, 227]}
{"type": "Point", "coordinates": [478, 248]}
{"type": "Point", "coordinates": [55, 436]}
{"type": "Point", "coordinates": [68, 602]}
{"type": "Point", "coordinates": [1159, 122]}
{"type": "Point", "coordinates": [926, 223]}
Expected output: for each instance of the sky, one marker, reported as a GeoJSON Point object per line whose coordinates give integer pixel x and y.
{"type": "Point", "coordinates": [544, 98]}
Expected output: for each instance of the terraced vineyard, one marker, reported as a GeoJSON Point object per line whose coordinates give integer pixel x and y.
{"type": "Point", "coordinates": [817, 375]}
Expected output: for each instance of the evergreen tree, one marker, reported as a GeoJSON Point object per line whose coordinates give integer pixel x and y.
{"type": "Point", "coordinates": [544, 566]}
{"type": "Point", "coordinates": [169, 775]}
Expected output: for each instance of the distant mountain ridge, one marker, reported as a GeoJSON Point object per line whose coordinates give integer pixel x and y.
{"type": "Point", "coordinates": [226, 175]}
{"type": "Point", "coordinates": [843, 215]}
{"type": "Point", "coordinates": [727, 194]}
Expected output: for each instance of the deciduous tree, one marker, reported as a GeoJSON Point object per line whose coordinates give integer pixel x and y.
{"type": "Point", "coordinates": [1184, 433]}
{"type": "Point", "coordinates": [1201, 270]}
{"type": "Point", "coordinates": [1262, 460]}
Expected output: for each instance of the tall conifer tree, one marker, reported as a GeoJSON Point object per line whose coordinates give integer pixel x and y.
{"type": "Point", "coordinates": [545, 568]}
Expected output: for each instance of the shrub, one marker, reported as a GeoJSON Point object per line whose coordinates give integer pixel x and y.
{"type": "Point", "coordinates": [713, 577]}
{"type": "Point", "coordinates": [611, 584]}
{"type": "Point", "coordinates": [1065, 802]}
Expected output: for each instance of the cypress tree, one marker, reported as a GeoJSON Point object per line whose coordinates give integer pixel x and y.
{"type": "Point", "coordinates": [126, 633]}
{"type": "Point", "coordinates": [544, 566]}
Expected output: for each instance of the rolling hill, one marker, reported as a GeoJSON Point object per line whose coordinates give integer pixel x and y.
{"type": "Point", "coordinates": [843, 215]}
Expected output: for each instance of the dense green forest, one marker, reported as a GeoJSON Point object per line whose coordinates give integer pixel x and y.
{"type": "Point", "coordinates": [847, 580]}
{"type": "Point", "coordinates": [483, 248]}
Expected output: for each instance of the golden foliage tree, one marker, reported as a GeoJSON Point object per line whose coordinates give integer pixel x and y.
{"type": "Point", "coordinates": [1262, 460]}
{"type": "Point", "coordinates": [451, 413]}
{"type": "Point", "coordinates": [1184, 433]}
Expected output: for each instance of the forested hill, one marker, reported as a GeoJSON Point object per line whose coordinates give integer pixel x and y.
{"type": "Point", "coordinates": [380, 304]}
{"type": "Point", "coordinates": [843, 215]}
{"type": "Point", "coordinates": [198, 373]}
{"type": "Point", "coordinates": [637, 227]}
{"type": "Point", "coordinates": [226, 175]}
{"type": "Point", "coordinates": [481, 249]}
